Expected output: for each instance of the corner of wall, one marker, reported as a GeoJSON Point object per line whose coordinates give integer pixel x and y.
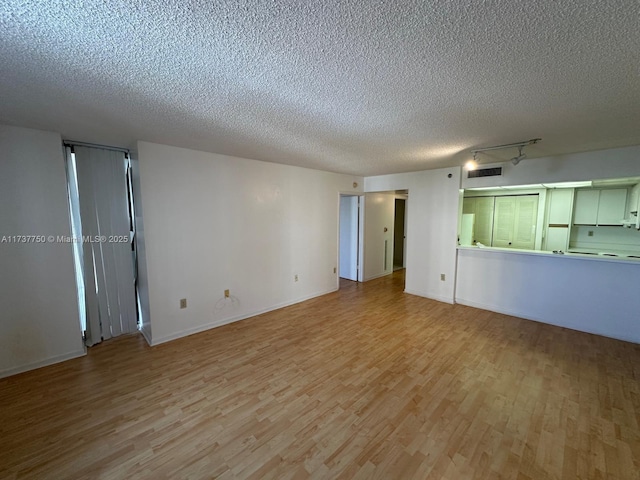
{"type": "Point", "coordinates": [42, 363]}
{"type": "Point", "coordinates": [40, 323]}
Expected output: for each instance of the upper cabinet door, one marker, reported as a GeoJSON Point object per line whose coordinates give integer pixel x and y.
{"type": "Point", "coordinates": [560, 202]}
{"type": "Point", "coordinates": [600, 207]}
{"type": "Point", "coordinates": [634, 205]}
{"type": "Point", "coordinates": [634, 199]}
{"type": "Point", "coordinates": [611, 207]}
{"type": "Point", "coordinates": [586, 209]}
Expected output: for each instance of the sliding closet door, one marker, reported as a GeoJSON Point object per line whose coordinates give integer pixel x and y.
{"type": "Point", "coordinates": [106, 248]}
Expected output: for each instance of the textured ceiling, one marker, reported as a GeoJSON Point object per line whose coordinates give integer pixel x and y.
{"type": "Point", "coordinates": [365, 87]}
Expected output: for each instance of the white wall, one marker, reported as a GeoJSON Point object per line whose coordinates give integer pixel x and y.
{"type": "Point", "coordinates": [432, 224]}
{"type": "Point", "coordinates": [348, 237]}
{"type": "Point", "coordinates": [214, 222]}
{"type": "Point", "coordinates": [379, 209]}
{"type": "Point", "coordinates": [39, 322]}
{"type": "Point", "coordinates": [595, 296]}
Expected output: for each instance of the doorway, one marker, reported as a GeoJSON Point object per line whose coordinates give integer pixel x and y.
{"type": "Point", "coordinates": [349, 241]}
{"type": "Point", "coordinates": [102, 222]}
{"type": "Point", "coordinates": [399, 233]}
{"type": "Point", "coordinates": [372, 235]}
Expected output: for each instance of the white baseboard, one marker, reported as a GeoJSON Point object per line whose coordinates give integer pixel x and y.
{"type": "Point", "coordinates": [533, 318]}
{"type": "Point", "coordinates": [377, 276]}
{"type": "Point", "coordinates": [42, 363]}
{"type": "Point", "coordinates": [494, 308]}
{"type": "Point", "coordinates": [146, 334]}
{"type": "Point", "coordinates": [225, 321]}
{"type": "Point", "coordinates": [438, 298]}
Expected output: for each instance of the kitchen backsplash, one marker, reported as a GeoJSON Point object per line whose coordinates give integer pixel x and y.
{"type": "Point", "coordinates": [605, 238]}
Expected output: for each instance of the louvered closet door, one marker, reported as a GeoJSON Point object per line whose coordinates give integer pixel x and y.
{"type": "Point", "coordinates": [526, 214]}
{"type": "Point", "coordinates": [514, 224]}
{"type": "Point", "coordinates": [484, 219]}
{"type": "Point", "coordinates": [505, 212]}
{"type": "Point", "coordinates": [482, 207]}
{"type": "Point", "coordinates": [469, 205]}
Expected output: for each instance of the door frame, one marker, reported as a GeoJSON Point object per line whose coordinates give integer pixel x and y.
{"type": "Point", "coordinates": [360, 236]}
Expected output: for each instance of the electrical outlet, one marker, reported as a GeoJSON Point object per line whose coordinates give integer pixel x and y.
{"type": "Point", "coordinates": [183, 303]}
{"type": "Point", "coordinates": [442, 277]}
{"type": "Point", "coordinates": [295, 278]}
{"type": "Point", "coordinates": [590, 233]}
{"type": "Point", "coordinates": [226, 293]}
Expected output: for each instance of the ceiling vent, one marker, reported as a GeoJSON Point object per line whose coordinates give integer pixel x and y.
{"type": "Point", "coordinates": [485, 172]}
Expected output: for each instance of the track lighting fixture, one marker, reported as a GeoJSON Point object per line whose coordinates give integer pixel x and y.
{"type": "Point", "coordinates": [472, 164]}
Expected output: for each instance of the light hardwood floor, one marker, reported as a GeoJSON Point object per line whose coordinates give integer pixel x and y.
{"type": "Point", "coordinates": [367, 382]}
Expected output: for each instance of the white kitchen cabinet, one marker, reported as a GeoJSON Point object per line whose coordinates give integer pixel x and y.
{"type": "Point", "coordinates": [560, 207]}
{"type": "Point", "coordinates": [514, 224]}
{"type": "Point", "coordinates": [634, 199]}
{"type": "Point", "coordinates": [586, 207]}
{"type": "Point", "coordinates": [482, 208]}
{"type": "Point", "coordinates": [600, 207]}
{"type": "Point", "coordinates": [557, 239]}
{"type": "Point", "coordinates": [612, 206]}
{"type": "Point", "coordinates": [560, 203]}
{"type": "Point", "coordinates": [634, 206]}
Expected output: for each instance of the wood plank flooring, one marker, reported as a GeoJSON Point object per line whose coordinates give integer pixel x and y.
{"type": "Point", "coordinates": [367, 382]}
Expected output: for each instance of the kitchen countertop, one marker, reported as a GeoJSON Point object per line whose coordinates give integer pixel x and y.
{"type": "Point", "coordinates": [605, 252]}
{"type": "Point", "coordinates": [574, 254]}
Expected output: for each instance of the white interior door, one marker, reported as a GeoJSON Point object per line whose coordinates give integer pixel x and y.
{"type": "Point", "coordinates": [378, 234]}
{"type": "Point", "coordinates": [348, 237]}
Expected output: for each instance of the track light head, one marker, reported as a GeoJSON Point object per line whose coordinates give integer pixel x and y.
{"type": "Point", "coordinates": [472, 164]}
{"type": "Point", "coordinates": [521, 156]}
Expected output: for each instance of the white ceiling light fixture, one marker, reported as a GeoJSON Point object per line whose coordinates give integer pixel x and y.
{"type": "Point", "coordinates": [515, 160]}
{"type": "Point", "coordinates": [472, 164]}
